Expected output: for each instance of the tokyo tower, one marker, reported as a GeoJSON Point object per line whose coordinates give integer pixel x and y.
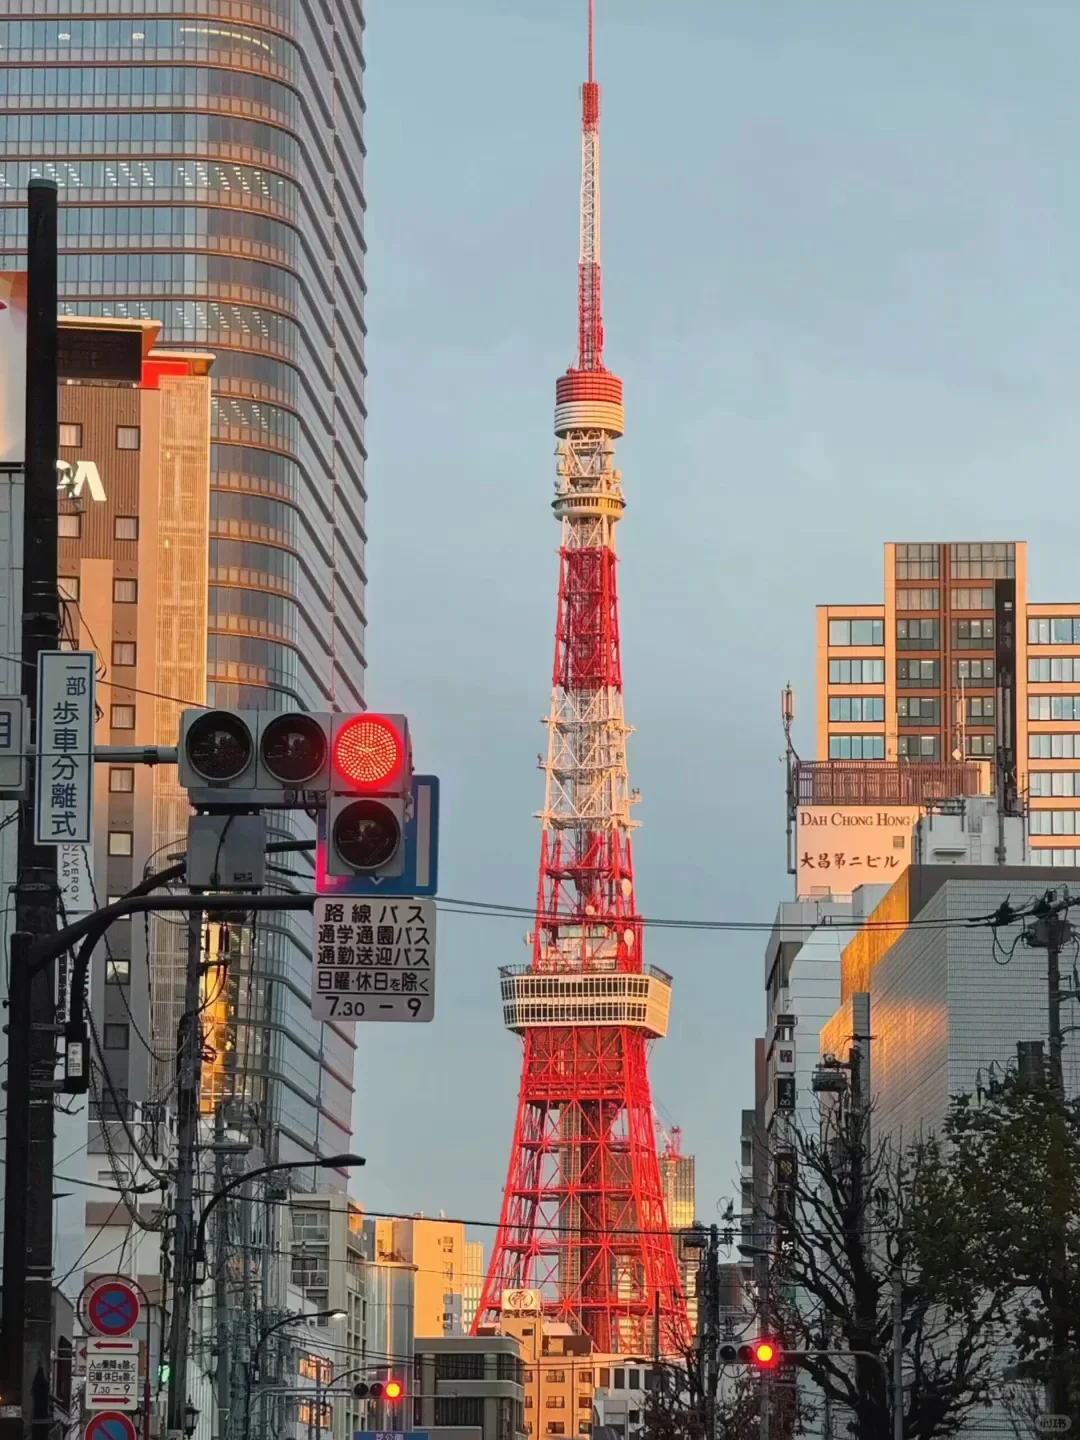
{"type": "Point", "coordinates": [583, 1219]}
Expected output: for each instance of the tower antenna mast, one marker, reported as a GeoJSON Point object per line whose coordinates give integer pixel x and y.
{"type": "Point", "coordinates": [583, 1233]}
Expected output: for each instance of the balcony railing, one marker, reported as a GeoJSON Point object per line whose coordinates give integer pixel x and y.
{"type": "Point", "coordinates": [885, 782]}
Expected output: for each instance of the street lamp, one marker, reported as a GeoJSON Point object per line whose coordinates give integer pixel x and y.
{"type": "Point", "coordinates": [253, 1363]}
{"type": "Point", "coordinates": [191, 1419]}
{"type": "Point", "coordinates": [331, 1162]}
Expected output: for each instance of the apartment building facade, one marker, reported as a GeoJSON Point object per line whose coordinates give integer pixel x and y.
{"type": "Point", "coordinates": [958, 665]}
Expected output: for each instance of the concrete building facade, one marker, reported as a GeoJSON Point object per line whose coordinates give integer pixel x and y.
{"type": "Point", "coordinates": [469, 1387]}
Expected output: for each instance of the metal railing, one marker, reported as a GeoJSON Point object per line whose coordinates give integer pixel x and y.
{"type": "Point", "coordinates": [884, 782]}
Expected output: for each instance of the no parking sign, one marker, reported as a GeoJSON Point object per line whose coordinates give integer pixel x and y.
{"type": "Point", "coordinates": [111, 1305]}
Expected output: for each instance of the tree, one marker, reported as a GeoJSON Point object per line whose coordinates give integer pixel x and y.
{"type": "Point", "coordinates": [1027, 1221]}
{"type": "Point", "coordinates": [850, 1240]}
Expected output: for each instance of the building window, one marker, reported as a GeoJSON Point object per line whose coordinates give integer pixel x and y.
{"type": "Point", "coordinates": [1055, 669]}
{"type": "Point", "coordinates": [979, 745]}
{"type": "Point", "coordinates": [120, 842]}
{"type": "Point", "coordinates": [116, 1037]}
{"type": "Point", "coordinates": [917, 674]}
{"type": "Point", "coordinates": [125, 592]}
{"type": "Point", "coordinates": [584, 1402]}
{"type": "Point", "coordinates": [605, 1379]}
{"type": "Point", "coordinates": [983, 560]}
{"type": "Point", "coordinates": [459, 1367]}
{"type": "Point", "coordinates": [633, 1382]}
{"type": "Point", "coordinates": [68, 586]}
{"type": "Point", "coordinates": [918, 634]}
{"type": "Point", "coordinates": [980, 599]}
{"type": "Point", "coordinates": [856, 708]}
{"type": "Point", "coordinates": [973, 672]}
{"type": "Point", "coordinates": [556, 1377]}
{"type": "Point", "coordinates": [919, 747]}
{"type": "Point", "coordinates": [918, 599]}
{"type": "Point", "coordinates": [856, 632]}
{"type": "Point", "coordinates": [69, 525]}
{"type": "Point", "coordinates": [123, 652]}
{"type": "Point", "coordinates": [1046, 783]}
{"type": "Point", "coordinates": [1053, 857]}
{"type": "Point", "coordinates": [122, 717]}
{"type": "Point", "coordinates": [917, 562]}
{"type": "Point", "coordinates": [620, 1379]}
{"type": "Point", "coordinates": [555, 1402]}
{"type": "Point", "coordinates": [973, 634]}
{"type": "Point", "coordinates": [121, 779]}
{"type": "Point", "coordinates": [1054, 707]}
{"type": "Point", "coordinates": [1054, 630]}
{"type": "Point", "coordinates": [856, 747]}
{"type": "Point", "coordinates": [556, 1427]}
{"type": "Point", "coordinates": [127, 437]}
{"type": "Point", "coordinates": [126, 527]}
{"type": "Point", "coordinates": [117, 971]}
{"type": "Point", "coordinates": [918, 710]}
{"type": "Point", "coordinates": [856, 672]}
{"type": "Point", "coordinates": [70, 436]}
{"type": "Point", "coordinates": [1054, 747]}
{"type": "Point", "coordinates": [585, 1427]}
{"type": "Point", "coordinates": [113, 899]}
{"type": "Point", "coordinates": [980, 707]}
{"type": "Point", "coordinates": [1054, 822]}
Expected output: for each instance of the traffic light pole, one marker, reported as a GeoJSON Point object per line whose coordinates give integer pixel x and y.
{"type": "Point", "coordinates": [189, 1061]}
{"type": "Point", "coordinates": [26, 1341]}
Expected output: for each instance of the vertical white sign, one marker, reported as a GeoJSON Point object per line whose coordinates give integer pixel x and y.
{"type": "Point", "coordinates": [64, 798]}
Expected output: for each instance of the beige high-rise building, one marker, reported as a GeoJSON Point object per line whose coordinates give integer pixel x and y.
{"type": "Point", "coordinates": [436, 1250]}
{"type": "Point", "coordinates": [680, 1207]}
{"type": "Point", "coordinates": [474, 1282]}
{"type": "Point", "coordinates": [957, 664]}
{"type": "Point", "coordinates": [560, 1375]}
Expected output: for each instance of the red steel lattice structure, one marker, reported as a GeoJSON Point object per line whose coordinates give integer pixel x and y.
{"type": "Point", "coordinates": [583, 1221]}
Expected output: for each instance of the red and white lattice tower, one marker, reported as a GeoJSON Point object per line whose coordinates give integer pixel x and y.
{"type": "Point", "coordinates": [583, 1212]}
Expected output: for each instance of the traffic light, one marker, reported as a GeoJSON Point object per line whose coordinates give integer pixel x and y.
{"type": "Point", "coordinates": [391, 1390]}
{"type": "Point", "coordinates": [241, 758]}
{"type": "Point", "coordinates": [762, 1354]}
{"type": "Point", "coordinates": [370, 791]}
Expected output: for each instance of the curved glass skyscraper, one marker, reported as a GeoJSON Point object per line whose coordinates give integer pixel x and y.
{"type": "Point", "coordinates": [209, 156]}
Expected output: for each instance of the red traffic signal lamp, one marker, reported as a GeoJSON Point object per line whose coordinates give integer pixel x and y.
{"type": "Point", "coordinates": [370, 790]}
{"type": "Point", "coordinates": [393, 1390]}
{"type": "Point", "coordinates": [762, 1353]}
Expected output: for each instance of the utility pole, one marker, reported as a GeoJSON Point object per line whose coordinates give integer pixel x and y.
{"type": "Point", "coordinates": [26, 1349]}
{"type": "Point", "coordinates": [189, 1063]}
{"type": "Point", "coordinates": [709, 1327]}
{"type": "Point", "coordinates": [1050, 932]}
{"type": "Point", "coordinates": [221, 1297]}
{"type": "Point", "coordinates": [898, 1352]}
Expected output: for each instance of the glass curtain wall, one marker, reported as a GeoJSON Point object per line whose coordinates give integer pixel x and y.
{"type": "Point", "coordinates": [210, 160]}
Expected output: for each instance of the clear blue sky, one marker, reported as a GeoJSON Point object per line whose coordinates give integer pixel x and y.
{"type": "Point", "coordinates": [840, 258]}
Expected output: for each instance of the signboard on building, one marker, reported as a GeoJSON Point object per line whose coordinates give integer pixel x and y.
{"type": "Point", "coordinates": [843, 847]}
{"type": "Point", "coordinates": [12, 365]}
{"type": "Point", "coordinates": [374, 959]}
{"type": "Point", "coordinates": [65, 752]}
{"type": "Point", "coordinates": [521, 1302]}
{"type": "Point", "coordinates": [112, 1374]}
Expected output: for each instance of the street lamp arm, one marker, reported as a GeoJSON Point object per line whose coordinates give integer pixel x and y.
{"type": "Point", "coordinates": [329, 1162]}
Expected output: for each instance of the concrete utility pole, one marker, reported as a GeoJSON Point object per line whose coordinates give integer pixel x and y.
{"type": "Point", "coordinates": [26, 1349]}
{"type": "Point", "coordinates": [189, 1061]}
{"type": "Point", "coordinates": [221, 1294]}
{"type": "Point", "coordinates": [1050, 932]}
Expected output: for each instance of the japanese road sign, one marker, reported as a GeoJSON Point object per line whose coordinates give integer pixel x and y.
{"type": "Point", "coordinates": [13, 739]}
{"type": "Point", "coordinates": [112, 1374]}
{"type": "Point", "coordinates": [374, 959]}
{"type": "Point", "coordinates": [111, 1306]}
{"type": "Point", "coordinates": [109, 1425]}
{"type": "Point", "coordinates": [63, 808]}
